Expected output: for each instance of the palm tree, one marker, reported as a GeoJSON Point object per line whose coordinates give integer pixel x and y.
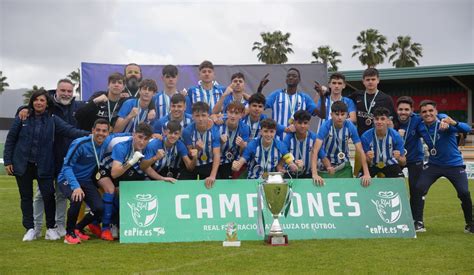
{"type": "Point", "coordinates": [75, 76]}
{"type": "Point", "coordinates": [327, 56]}
{"type": "Point", "coordinates": [3, 83]}
{"type": "Point", "coordinates": [370, 48]}
{"type": "Point", "coordinates": [405, 52]}
{"type": "Point", "coordinates": [28, 93]}
{"type": "Point", "coordinates": [274, 48]}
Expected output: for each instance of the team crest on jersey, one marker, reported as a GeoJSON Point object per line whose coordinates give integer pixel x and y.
{"type": "Point", "coordinates": [144, 209]}
{"type": "Point", "coordinates": [389, 206]}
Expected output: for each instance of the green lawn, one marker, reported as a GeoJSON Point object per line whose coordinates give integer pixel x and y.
{"type": "Point", "coordinates": [443, 249]}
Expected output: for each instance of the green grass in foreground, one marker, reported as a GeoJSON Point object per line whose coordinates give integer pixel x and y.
{"type": "Point", "coordinates": [443, 249]}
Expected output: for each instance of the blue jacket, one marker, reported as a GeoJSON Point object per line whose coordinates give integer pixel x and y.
{"type": "Point", "coordinates": [20, 137]}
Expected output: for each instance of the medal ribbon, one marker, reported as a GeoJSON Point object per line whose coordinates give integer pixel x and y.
{"type": "Point", "coordinates": [380, 153]}
{"type": "Point", "coordinates": [338, 142]}
{"type": "Point", "coordinates": [110, 114]}
{"type": "Point", "coordinates": [372, 103]}
{"type": "Point", "coordinates": [433, 139]}
{"type": "Point", "coordinates": [95, 152]}
{"type": "Point", "coordinates": [292, 104]}
{"type": "Point", "coordinates": [266, 159]}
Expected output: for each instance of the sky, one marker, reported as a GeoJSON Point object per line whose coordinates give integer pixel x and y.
{"type": "Point", "coordinates": [43, 41]}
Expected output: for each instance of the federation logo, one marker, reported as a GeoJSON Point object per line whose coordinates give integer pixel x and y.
{"type": "Point", "coordinates": [389, 206]}
{"type": "Point", "coordinates": [144, 209]}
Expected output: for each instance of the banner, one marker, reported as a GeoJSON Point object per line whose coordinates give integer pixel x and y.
{"type": "Point", "coordinates": [153, 211]}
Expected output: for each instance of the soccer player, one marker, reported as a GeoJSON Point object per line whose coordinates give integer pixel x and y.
{"type": "Point", "coordinates": [334, 136]}
{"type": "Point", "coordinates": [162, 99]}
{"type": "Point", "coordinates": [207, 90]}
{"type": "Point", "coordinates": [285, 102]}
{"type": "Point", "coordinates": [337, 83]}
{"type": "Point", "coordinates": [177, 113]}
{"type": "Point", "coordinates": [166, 156]}
{"type": "Point", "coordinates": [234, 92]}
{"type": "Point", "coordinates": [383, 146]}
{"type": "Point", "coordinates": [77, 177]}
{"type": "Point", "coordinates": [234, 138]}
{"type": "Point", "coordinates": [445, 160]}
{"type": "Point", "coordinates": [135, 110]}
{"type": "Point", "coordinates": [265, 153]}
{"type": "Point", "coordinates": [103, 104]}
{"type": "Point", "coordinates": [204, 136]}
{"type": "Point", "coordinates": [300, 143]}
{"type": "Point", "coordinates": [366, 101]}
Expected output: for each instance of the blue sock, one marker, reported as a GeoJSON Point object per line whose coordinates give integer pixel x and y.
{"type": "Point", "coordinates": [108, 207]}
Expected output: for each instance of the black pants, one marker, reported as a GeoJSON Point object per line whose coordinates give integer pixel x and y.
{"type": "Point", "coordinates": [46, 186]}
{"type": "Point", "coordinates": [93, 200]}
{"type": "Point", "coordinates": [202, 171]}
{"type": "Point", "coordinates": [171, 172]}
{"type": "Point", "coordinates": [390, 171]}
{"type": "Point", "coordinates": [458, 178]}
{"type": "Point", "coordinates": [225, 171]}
{"type": "Point", "coordinates": [414, 171]}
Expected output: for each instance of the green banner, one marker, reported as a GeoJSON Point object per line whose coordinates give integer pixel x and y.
{"type": "Point", "coordinates": [154, 211]}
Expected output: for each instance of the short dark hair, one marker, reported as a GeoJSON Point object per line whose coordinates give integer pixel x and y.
{"type": "Point", "coordinates": [381, 111]}
{"type": "Point", "coordinates": [149, 84]}
{"type": "Point", "coordinates": [177, 98]}
{"type": "Point", "coordinates": [38, 93]}
{"type": "Point", "coordinates": [173, 126]}
{"type": "Point", "coordinates": [200, 107]}
{"type": "Point", "coordinates": [170, 70]}
{"type": "Point", "coordinates": [144, 128]}
{"type": "Point", "coordinates": [115, 77]}
{"type": "Point", "coordinates": [370, 72]}
{"type": "Point", "coordinates": [257, 98]}
{"type": "Point", "coordinates": [65, 80]}
{"type": "Point", "coordinates": [339, 106]}
{"type": "Point", "coordinates": [131, 64]}
{"type": "Point", "coordinates": [337, 75]}
{"type": "Point", "coordinates": [101, 121]}
{"type": "Point", "coordinates": [405, 99]}
{"type": "Point", "coordinates": [236, 105]}
{"type": "Point", "coordinates": [237, 75]}
{"type": "Point", "coordinates": [268, 123]}
{"type": "Point", "coordinates": [302, 115]}
{"type": "Point", "coordinates": [296, 70]}
{"type": "Point", "coordinates": [206, 64]}
{"type": "Point", "coordinates": [425, 102]}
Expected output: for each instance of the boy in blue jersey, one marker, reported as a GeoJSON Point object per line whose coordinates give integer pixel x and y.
{"type": "Point", "coordinates": [136, 110]}
{"type": "Point", "coordinates": [337, 83]}
{"type": "Point", "coordinates": [162, 99]}
{"type": "Point", "coordinates": [204, 136]}
{"type": "Point", "coordinates": [334, 136]}
{"type": "Point", "coordinates": [207, 90]}
{"type": "Point", "coordinates": [77, 178]}
{"type": "Point", "coordinates": [265, 153]}
{"type": "Point", "coordinates": [177, 108]}
{"type": "Point", "coordinates": [383, 147]}
{"type": "Point", "coordinates": [234, 138]}
{"type": "Point", "coordinates": [166, 156]}
{"type": "Point", "coordinates": [285, 102]}
{"type": "Point", "coordinates": [445, 160]}
{"type": "Point", "coordinates": [300, 143]}
{"type": "Point", "coordinates": [234, 92]}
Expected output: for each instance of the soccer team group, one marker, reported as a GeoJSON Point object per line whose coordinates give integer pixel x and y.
{"type": "Point", "coordinates": [80, 151]}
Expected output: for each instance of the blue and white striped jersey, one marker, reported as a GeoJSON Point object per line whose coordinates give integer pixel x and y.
{"type": "Point", "coordinates": [162, 104]}
{"type": "Point", "coordinates": [383, 148]}
{"type": "Point", "coordinates": [301, 150]}
{"type": "Point", "coordinates": [230, 151]}
{"type": "Point", "coordinates": [160, 125]}
{"type": "Point", "coordinates": [106, 160]}
{"type": "Point", "coordinates": [260, 160]}
{"type": "Point", "coordinates": [122, 152]}
{"type": "Point", "coordinates": [198, 93]}
{"type": "Point", "coordinates": [173, 156]}
{"type": "Point", "coordinates": [211, 139]}
{"type": "Point", "coordinates": [229, 99]}
{"type": "Point", "coordinates": [126, 108]}
{"type": "Point", "coordinates": [255, 127]}
{"type": "Point", "coordinates": [350, 107]}
{"type": "Point", "coordinates": [336, 140]}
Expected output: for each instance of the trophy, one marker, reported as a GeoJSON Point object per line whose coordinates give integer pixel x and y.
{"type": "Point", "coordinates": [231, 235]}
{"type": "Point", "coordinates": [276, 194]}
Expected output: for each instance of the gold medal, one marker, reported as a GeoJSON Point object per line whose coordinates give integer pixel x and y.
{"type": "Point", "coordinates": [380, 164]}
{"type": "Point", "coordinates": [265, 175]}
{"type": "Point", "coordinates": [97, 176]}
{"type": "Point", "coordinates": [341, 156]}
{"type": "Point", "coordinates": [203, 157]}
{"type": "Point", "coordinates": [290, 121]}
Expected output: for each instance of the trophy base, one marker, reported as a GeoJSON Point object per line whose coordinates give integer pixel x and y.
{"type": "Point", "coordinates": [234, 243]}
{"type": "Point", "coordinates": [276, 240]}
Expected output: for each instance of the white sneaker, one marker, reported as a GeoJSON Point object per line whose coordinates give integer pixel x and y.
{"type": "Point", "coordinates": [52, 234]}
{"type": "Point", "coordinates": [115, 231]}
{"type": "Point", "coordinates": [30, 235]}
{"type": "Point", "coordinates": [61, 230]}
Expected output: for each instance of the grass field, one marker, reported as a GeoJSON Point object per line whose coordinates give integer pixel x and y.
{"type": "Point", "coordinates": [443, 249]}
